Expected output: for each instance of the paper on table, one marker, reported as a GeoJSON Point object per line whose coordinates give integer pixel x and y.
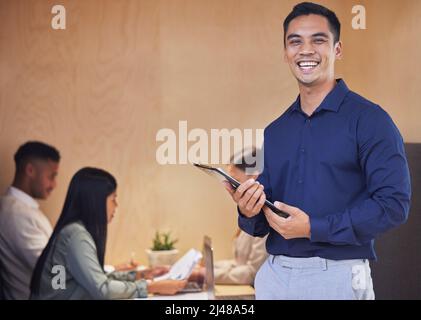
{"type": "Point", "coordinates": [108, 268]}
{"type": "Point", "coordinates": [183, 268]}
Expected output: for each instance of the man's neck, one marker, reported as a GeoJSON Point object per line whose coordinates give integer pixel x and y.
{"type": "Point", "coordinates": [22, 186]}
{"type": "Point", "coordinates": [311, 97]}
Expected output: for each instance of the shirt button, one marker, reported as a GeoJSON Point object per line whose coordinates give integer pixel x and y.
{"type": "Point", "coordinates": [300, 181]}
{"type": "Point", "coordinates": [308, 121]}
{"type": "Point", "coordinates": [302, 150]}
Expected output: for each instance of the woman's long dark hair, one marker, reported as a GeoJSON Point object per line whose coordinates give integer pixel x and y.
{"type": "Point", "coordinates": [85, 202]}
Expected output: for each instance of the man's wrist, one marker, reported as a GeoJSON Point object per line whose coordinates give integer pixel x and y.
{"type": "Point", "coordinates": [245, 216]}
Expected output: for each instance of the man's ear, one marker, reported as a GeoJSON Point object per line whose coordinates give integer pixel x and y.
{"type": "Point", "coordinates": [30, 169]}
{"type": "Point", "coordinates": [338, 50]}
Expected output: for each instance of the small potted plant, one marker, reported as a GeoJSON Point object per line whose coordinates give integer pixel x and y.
{"type": "Point", "coordinates": [163, 251]}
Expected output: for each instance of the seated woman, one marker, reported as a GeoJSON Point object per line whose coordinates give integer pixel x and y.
{"type": "Point", "coordinates": [249, 252]}
{"type": "Point", "coordinates": [78, 245]}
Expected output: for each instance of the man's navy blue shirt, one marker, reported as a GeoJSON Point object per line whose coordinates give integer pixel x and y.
{"type": "Point", "coordinates": [345, 166]}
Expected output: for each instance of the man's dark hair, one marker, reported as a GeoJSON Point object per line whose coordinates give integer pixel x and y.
{"type": "Point", "coordinates": [307, 8]}
{"type": "Point", "coordinates": [35, 150]}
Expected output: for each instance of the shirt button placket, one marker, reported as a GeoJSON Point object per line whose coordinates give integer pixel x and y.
{"type": "Point", "coordinates": [302, 153]}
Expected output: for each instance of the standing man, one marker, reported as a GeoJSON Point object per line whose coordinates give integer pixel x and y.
{"type": "Point", "coordinates": [24, 229]}
{"type": "Point", "coordinates": [335, 162]}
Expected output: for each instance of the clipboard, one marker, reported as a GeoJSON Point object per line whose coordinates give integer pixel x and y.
{"type": "Point", "coordinates": [223, 176]}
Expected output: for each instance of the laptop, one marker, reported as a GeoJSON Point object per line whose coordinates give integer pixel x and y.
{"type": "Point", "coordinates": [209, 282]}
{"type": "Point", "coordinates": [221, 292]}
{"type": "Point", "coordinates": [207, 290]}
{"type": "Point", "coordinates": [209, 274]}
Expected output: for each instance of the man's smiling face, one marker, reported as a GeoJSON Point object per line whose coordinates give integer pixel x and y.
{"type": "Point", "coordinates": [310, 50]}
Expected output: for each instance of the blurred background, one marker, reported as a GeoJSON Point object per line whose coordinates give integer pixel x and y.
{"type": "Point", "coordinates": [101, 89]}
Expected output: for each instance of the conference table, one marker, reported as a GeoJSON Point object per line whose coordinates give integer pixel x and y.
{"type": "Point", "coordinates": [221, 292]}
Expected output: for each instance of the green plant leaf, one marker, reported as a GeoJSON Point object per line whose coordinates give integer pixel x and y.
{"type": "Point", "coordinates": [163, 241]}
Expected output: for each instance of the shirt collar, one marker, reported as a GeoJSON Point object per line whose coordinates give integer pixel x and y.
{"type": "Point", "coordinates": [331, 102]}
{"type": "Point", "coordinates": [23, 197]}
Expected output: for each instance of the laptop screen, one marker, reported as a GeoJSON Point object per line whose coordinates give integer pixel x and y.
{"type": "Point", "coordinates": [208, 260]}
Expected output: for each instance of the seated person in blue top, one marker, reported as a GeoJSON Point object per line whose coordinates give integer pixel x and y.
{"type": "Point", "coordinates": [335, 162]}
{"type": "Point", "coordinates": [75, 252]}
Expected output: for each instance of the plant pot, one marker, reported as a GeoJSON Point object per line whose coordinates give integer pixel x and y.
{"type": "Point", "coordinates": [162, 257]}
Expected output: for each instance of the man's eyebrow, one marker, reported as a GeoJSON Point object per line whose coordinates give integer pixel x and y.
{"type": "Point", "coordinates": [293, 35]}
{"type": "Point", "coordinates": [320, 34]}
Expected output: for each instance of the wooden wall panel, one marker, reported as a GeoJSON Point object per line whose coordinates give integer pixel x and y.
{"type": "Point", "coordinates": [101, 89]}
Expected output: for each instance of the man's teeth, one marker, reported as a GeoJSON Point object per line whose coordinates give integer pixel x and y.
{"type": "Point", "coordinates": [308, 64]}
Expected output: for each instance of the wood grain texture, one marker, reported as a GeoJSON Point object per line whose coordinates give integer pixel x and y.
{"type": "Point", "coordinates": [101, 89]}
